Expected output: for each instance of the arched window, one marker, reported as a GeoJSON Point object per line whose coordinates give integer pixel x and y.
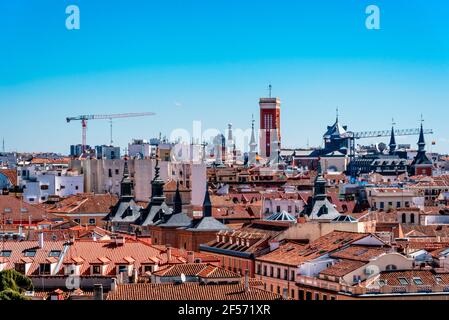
{"type": "Point", "coordinates": [412, 218]}
{"type": "Point", "coordinates": [391, 267]}
{"type": "Point", "coordinates": [404, 218]}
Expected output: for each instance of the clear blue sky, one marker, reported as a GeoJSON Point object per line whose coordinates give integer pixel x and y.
{"type": "Point", "coordinates": [211, 60]}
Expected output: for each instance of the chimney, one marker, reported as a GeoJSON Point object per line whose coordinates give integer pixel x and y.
{"type": "Point", "coordinates": [41, 240]}
{"type": "Point", "coordinates": [246, 280]}
{"type": "Point", "coordinates": [119, 241]}
{"type": "Point", "coordinates": [190, 257]}
{"type": "Point", "coordinates": [98, 292]}
{"type": "Point", "coordinates": [114, 284]}
{"type": "Point", "coordinates": [168, 253]}
{"type": "Point", "coordinates": [135, 276]}
{"type": "Point", "coordinates": [274, 244]}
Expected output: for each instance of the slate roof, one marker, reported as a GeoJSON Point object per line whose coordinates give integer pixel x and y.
{"type": "Point", "coordinates": [207, 224]}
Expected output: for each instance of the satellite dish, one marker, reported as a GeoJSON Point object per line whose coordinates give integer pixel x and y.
{"type": "Point", "coordinates": [183, 277]}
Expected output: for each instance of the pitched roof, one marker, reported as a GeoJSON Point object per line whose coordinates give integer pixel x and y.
{"type": "Point", "coordinates": [189, 291]}
{"type": "Point", "coordinates": [201, 270]}
{"type": "Point", "coordinates": [360, 253]}
{"type": "Point", "coordinates": [11, 174]}
{"type": "Point", "coordinates": [83, 203]}
{"type": "Point", "coordinates": [16, 209]}
{"type": "Point", "coordinates": [342, 268]}
{"type": "Point", "coordinates": [295, 254]}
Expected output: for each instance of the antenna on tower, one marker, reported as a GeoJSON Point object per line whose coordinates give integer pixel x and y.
{"type": "Point", "coordinates": [337, 113]}
{"type": "Point", "coordinates": [392, 122]}
{"type": "Point", "coordinates": [422, 119]}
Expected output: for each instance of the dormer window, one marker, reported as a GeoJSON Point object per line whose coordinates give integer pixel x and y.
{"type": "Point", "coordinates": [54, 253]}
{"type": "Point", "coordinates": [44, 269]}
{"type": "Point", "coordinates": [30, 253]}
{"type": "Point", "coordinates": [96, 270]}
{"type": "Point", "coordinates": [5, 253]}
{"type": "Point", "coordinates": [20, 267]}
{"type": "Point", "coordinates": [403, 281]}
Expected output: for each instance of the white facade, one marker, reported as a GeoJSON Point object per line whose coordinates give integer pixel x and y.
{"type": "Point", "coordinates": [37, 189]}
{"type": "Point", "coordinates": [139, 148]}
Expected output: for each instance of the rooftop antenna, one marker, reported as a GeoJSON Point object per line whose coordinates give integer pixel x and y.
{"type": "Point", "coordinates": [337, 113]}
{"type": "Point", "coordinates": [269, 90]}
{"type": "Point", "coordinates": [3, 145]}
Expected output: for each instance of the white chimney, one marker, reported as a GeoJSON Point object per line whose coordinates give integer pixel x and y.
{"type": "Point", "coordinates": [114, 284]}
{"type": "Point", "coordinates": [168, 253]}
{"type": "Point", "coordinates": [41, 240]}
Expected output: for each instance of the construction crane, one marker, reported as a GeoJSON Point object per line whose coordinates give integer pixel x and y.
{"type": "Point", "coordinates": [382, 133]}
{"type": "Point", "coordinates": [85, 118]}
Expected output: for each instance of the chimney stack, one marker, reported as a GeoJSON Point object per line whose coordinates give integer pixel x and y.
{"type": "Point", "coordinates": [98, 292]}
{"type": "Point", "coordinates": [168, 253]}
{"type": "Point", "coordinates": [190, 257]}
{"type": "Point", "coordinates": [41, 240]}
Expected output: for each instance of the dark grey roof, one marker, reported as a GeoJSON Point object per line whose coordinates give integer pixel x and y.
{"type": "Point", "coordinates": [207, 224]}
{"type": "Point", "coordinates": [126, 210]}
{"type": "Point", "coordinates": [153, 213]}
{"type": "Point", "coordinates": [175, 220]}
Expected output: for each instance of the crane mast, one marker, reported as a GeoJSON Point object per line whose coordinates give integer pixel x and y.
{"type": "Point", "coordinates": [85, 118]}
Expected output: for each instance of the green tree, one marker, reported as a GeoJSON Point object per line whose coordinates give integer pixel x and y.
{"type": "Point", "coordinates": [13, 284]}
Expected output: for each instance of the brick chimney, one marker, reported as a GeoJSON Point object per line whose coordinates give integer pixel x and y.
{"type": "Point", "coordinates": [190, 257]}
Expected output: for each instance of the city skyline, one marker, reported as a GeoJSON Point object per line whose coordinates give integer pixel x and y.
{"type": "Point", "coordinates": [130, 59]}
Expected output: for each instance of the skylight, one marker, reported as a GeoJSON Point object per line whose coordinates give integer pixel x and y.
{"type": "Point", "coordinates": [403, 281]}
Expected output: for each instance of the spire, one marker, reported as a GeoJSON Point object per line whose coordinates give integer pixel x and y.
{"type": "Point", "coordinates": [392, 144]}
{"type": "Point", "coordinates": [157, 185]}
{"type": "Point", "coordinates": [320, 184]}
{"type": "Point", "coordinates": [421, 141]}
{"type": "Point", "coordinates": [126, 170]}
{"type": "Point", "coordinates": [252, 141]}
{"type": "Point", "coordinates": [126, 185]}
{"type": "Point", "coordinates": [177, 202]}
{"type": "Point", "coordinates": [207, 205]}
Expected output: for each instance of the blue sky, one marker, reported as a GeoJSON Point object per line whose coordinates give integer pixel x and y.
{"type": "Point", "coordinates": [209, 60]}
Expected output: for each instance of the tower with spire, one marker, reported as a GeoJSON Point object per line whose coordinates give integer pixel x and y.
{"type": "Point", "coordinates": [252, 146]}
{"type": "Point", "coordinates": [392, 145]}
{"type": "Point", "coordinates": [421, 164]}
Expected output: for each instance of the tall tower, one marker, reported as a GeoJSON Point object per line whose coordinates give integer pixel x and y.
{"type": "Point", "coordinates": [252, 146]}
{"type": "Point", "coordinates": [421, 164]}
{"type": "Point", "coordinates": [392, 143]}
{"type": "Point", "coordinates": [270, 124]}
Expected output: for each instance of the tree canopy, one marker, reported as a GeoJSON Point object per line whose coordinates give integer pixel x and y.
{"type": "Point", "coordinates": [13, 284]}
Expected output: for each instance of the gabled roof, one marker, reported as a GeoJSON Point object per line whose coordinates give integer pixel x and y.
{"type": "Point", "coordinates": [189, 291]}
{"type": "Point", "coordinates": [207, 224]}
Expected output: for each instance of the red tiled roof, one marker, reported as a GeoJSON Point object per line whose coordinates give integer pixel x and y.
{"type": "Point", "coordinates": [11, 174]}
{"type": "Point", "coordinates": [189, 291]}
{"type": "Point", "coordinates": [295, 254]}
{"type": "Point", "coordinates": [83, 203]}
{"type": "Point", "coordinates": [427, 277]}
{"type": "Point", "coordinates": [342, 268]}
{"type": "Point", "coordinates": [360, 253]}
{"type": "Point", "coordinates": [16, 209]}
